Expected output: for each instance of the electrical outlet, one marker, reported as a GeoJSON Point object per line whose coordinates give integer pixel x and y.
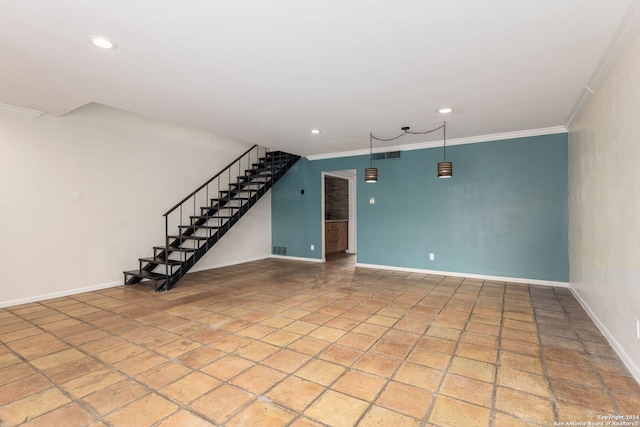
{"type": "Point", "coordinates": [432, 256]}
{"type": "Point", "coordinates": [313, 247]}
{"type": "Point", "coordinates": [372, 201]}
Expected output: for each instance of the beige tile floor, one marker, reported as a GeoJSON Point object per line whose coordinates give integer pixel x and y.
{"type": "Point", "coordinates": [286, 343]}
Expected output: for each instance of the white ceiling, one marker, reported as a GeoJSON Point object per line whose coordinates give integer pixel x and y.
{"type": "Point", "coordinates": [267, 72]}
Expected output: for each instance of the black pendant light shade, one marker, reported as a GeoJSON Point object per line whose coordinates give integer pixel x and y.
{"type": "Point", "coordinates": [371, 173]}
{"type": "Point", "coordinates": [445, 169]}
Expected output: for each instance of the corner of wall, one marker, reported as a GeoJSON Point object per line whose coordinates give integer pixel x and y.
{"type": "Point", "coordinates": [631, 364]}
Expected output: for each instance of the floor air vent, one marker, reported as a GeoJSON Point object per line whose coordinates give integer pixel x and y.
{"type": "Point", "coordinates": [279, 250]}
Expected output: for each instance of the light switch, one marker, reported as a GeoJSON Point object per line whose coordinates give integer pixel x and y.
{"type": "Point", "coordinates": [372, 201]}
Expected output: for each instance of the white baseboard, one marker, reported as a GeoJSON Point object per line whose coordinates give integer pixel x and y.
{"type": "Point", "coordinates": [195, 270]}
{"type": "Point", "coordinates": [626, 359]}
{"type": "Point", "coordinates": [11, 303]}
{"type": "Point", "coordinates": [297, 258]}
{"type": "Point", "coordinates": [469, 275]}
{"type": "Point", "coordinates": [36, 298]}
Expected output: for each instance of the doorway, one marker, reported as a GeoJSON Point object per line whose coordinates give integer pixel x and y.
{"type": "Point", "coordinates": [335, 215]}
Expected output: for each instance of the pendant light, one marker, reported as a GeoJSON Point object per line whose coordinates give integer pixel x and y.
{"type": "Point", "coordinates": [371, 173]}
{"type": "Point", "coordinates": [445, 169]}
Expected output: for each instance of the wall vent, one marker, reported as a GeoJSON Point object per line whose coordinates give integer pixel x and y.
{"type": "Point", "coordinates": [388, 155]}
{"type": "Point", "coordinates": [279, 250]}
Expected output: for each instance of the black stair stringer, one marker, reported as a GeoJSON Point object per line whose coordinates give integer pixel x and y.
{"type": "Point", "coordinates": [215, 220]}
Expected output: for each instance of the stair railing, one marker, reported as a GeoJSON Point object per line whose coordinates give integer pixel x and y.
{"type": "Point", "coordinates": [220, 181]}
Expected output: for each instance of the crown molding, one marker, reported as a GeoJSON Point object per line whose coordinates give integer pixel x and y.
{"type": "Point", "coordinates": [434, 144]}
{"type": "Point", "coordinates": [618, 43]}
{"type": "Point", "coordinates": [20, 111]}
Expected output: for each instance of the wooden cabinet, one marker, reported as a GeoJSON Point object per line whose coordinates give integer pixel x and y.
{"type": "Point", "coordinates": [336, 236]}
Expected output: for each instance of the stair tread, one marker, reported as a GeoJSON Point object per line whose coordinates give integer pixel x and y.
{"type": "Point", "coordinates": [183, 237]}
{"type": "Point", "coordinates": [227, 199]}
{"type": "Point", "coordinates": [254, 177]}
{"type": "Point", "coordinates": [245, 184]}
{"type": "Point", "coordinates": [146, 274]}
{"type": "Point", "coordinates": [157, 260]}
{"type": "Point", "coordinates": [204, 208]}
{"type": "Point", "coordinates": [208, 227]}
{"type": "Point", "coordinates": [175, 249]}
{"type": "Point", "coordinates": [241, 190]}
{"type": "Point", "coordinates": [232, 199]}
{"type": "Point", "coordinates": [261, 172]}
{"type": "Point", "coordinates": [221, 207]}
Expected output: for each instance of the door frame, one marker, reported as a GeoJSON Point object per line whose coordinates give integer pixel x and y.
{"type": "Point", "coordinates": [349, 175]}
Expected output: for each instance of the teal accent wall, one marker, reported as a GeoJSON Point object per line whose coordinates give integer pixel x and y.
{"type": "Point", "coordinates": [504, 212]}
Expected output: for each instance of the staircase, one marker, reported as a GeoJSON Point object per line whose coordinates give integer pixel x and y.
{"type": "Point", "coordinates": [198, 222]}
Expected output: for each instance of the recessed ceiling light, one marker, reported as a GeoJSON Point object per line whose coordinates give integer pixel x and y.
{"type": "Point", "coordinates": [445, 110]}
{"type": "Point", "coordinates": [315, 131]}
{"type": "Point", "coordinates": [103, 43]}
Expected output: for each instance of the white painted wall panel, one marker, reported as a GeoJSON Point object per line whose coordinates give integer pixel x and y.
{"type": "Point", "coordinates": [604, 205]}
{"type": "Point", "coordinates": [130, 170]}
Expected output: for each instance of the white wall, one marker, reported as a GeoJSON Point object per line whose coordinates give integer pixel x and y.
{"type": "Point", "coordinates": [248, 240]}
{"type": "Point", "coordinates": [604, 205]}
{"type": "Point", "coordinates": [130, 170]}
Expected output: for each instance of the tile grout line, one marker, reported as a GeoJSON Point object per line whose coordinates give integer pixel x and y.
{"type": "Point", "coordinates": [552, 393]}
{"type": "Point", "coordinates": [494, 393]}
{"type": "Point", "coordinates": [387, 380]}
{"type": "Point", "coordinates": [287, 375]}
{"type": "Point", "coordinates": [58, 386]}
{"type": "Point", "coordinates": [436, 393]}
{"type": "Point", "coordinates": [495, 410]}
{"type": "Point", "coordinates": [391, 375]}
{"type": "Point", "coordinates": [126, 375]}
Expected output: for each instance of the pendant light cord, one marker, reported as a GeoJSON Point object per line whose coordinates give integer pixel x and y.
{"type": "Point", "coordinates": [405, 131]}
{"type": "Point", "coordinates": [444, 132]}
{"type": "Point", "coordinates": [370, 150]}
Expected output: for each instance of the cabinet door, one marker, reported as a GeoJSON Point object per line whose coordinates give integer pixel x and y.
{"type": "Point", "coordinates": [343, 236]}
{"type": "Point", "coordinates": [332, 235]}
